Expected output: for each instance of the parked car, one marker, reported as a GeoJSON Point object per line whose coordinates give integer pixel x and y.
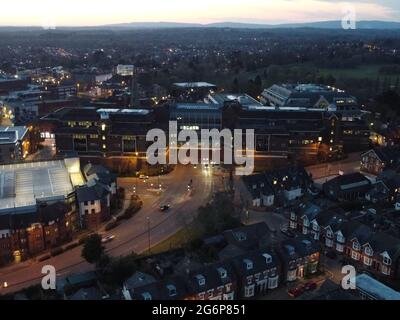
{"type": "Point", "coordinates": [296, 292]}
{"type": "Point", "coordinates": [310, 286]}
{"type": "Point", "coordinates": [165, 207]}
{"type": "Point", "coordinates": [143, 177]}
{"type": "Point", "coordinates": [107, 239]}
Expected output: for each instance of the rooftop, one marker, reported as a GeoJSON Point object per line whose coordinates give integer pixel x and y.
{"type": "Point", "coordinates": [23, 184]}
{"type": "Point", "coordinates": [12, 134]}
{"type": "Point", "coordinates": [194, 85]}
{"type": "Point", "coordinates": [375, 288]}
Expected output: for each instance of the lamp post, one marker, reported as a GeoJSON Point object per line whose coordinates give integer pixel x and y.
{"type": "Point", "coordinates": [148, 230]}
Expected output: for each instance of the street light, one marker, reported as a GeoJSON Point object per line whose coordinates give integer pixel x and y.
{"type": "Point", "coordinates": [148, 228]}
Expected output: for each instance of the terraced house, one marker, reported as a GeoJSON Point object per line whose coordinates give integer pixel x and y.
{"type": "Point", "coordinates": [368, 249]}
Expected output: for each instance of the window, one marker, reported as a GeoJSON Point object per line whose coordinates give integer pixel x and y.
{"type": "Point", "coordinates": [272, 283]}
{"type": "Point", "coordinates": [329, 242]}
{"type": "Point", "coordinates": [248, 263]}
{"type": "Point", "coordinates": [293, 216]}
{"type": "Point", "coordinates": [387, 261]}
{"type": "Point", "coordinates": [93, 211]}
{"type": "Point", "coordinates": [329, 233]}
{"type": "Point", "coordinates": [85, 203]}
{"type": "Point", "coordinates": [92, 202]}
{"type": "Point", "coordinates": [385, 270]}
{"type": "Point", "coordinates": [86, 211]}
{"type": "Point", "coordinates": [249, 291]}
{"type": "Point", "coordinates": [339, 247]}
{"type": "Point", "coordinates": [171, 290]}
{"type": "Point", "coordinates": [367, 261]}
{"type": "Point", "coordinates": [222, 273]}
{"type": "Point", "coordinates": [356, 245]}
{"type": "Point", "coordinates": [355, 255]}
{"type": "Point", "coordinates": [201, 280]}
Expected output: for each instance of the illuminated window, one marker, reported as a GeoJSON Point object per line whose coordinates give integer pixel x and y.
{"type": "Point", "coordinates": [103, 127]}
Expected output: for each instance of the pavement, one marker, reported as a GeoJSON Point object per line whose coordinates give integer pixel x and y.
{"type": "Point", "coordinates": [147, 228]}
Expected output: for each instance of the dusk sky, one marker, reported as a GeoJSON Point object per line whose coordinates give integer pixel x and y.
{"type": "Point", "coordinates": [98, 12]}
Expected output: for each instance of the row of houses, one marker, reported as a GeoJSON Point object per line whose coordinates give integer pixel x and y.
{"type": "Point", "coordinates": [366, 247]}
{"type": "Point", "coordinates": [246, 268]}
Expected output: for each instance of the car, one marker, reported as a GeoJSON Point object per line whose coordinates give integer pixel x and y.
{"type": "Point", "coordinates": [165, 207]}
{"type": "Point", "coordinates": [107, 239]}
{"type": "Point", "coordinates": [143, 177]}
{"type": "Point", "coordinates": [310, 286]}
{"type": "Point", "coordinates": [296, 292]}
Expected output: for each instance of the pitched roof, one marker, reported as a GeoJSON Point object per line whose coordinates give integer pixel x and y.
{"type": "Point", "coordinates": [92, 193]}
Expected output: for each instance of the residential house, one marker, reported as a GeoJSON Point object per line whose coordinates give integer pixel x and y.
{"type": "Point", "coordinates": [377, 160]}
{"type": "Point", "coordinates": [257, 272]}
{"type": "Point", "coordinates": [303, 219]}
{"type": "Point", "coordinates": [260, 192]}
{"type": "Point", "coordinates": [94, 198]}
{"type": "Point", "coordinates": [299, 257]}
{"type": "Point", "coordinates": [348, 187]}
{"type": "Point", "coordinates": [215, 282]}
{"type": "Point", "coordinates": [137, 280]}
{"type": "Point", "coordinates": [278, 186]}
{"type": "Point", "coordinates": [386, 189]}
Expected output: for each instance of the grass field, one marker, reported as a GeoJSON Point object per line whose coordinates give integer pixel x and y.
{"type": "Point", "coordinates": [178, 240]}
{"type": "Point", "coordinates": [367, 71]}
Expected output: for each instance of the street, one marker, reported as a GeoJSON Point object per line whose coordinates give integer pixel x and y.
{"type": "Point", "coordinates": [132, 235]}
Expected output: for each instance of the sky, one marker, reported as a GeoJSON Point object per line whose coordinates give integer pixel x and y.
{"type": "Point", "coordinates": [100, 12]}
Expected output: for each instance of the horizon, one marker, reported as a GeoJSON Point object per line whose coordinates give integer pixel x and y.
{"type": "Point", "coordinates": [75, 13]}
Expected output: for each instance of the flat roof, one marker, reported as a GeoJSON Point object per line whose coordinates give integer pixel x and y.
{"type": "Point", "coordinates": [194, 85]}
{"type": "Point", "coordinates": [12, 134]}
{"type": "Point", "coordinates": [375, 288]}
{"type": "Point", "coordinates": [23, 184]}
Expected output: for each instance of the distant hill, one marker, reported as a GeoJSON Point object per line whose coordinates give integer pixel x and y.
{"type": "Point", "coordinates": [238, 25]}
{"type": "Point", "coordinates": [377, 25]}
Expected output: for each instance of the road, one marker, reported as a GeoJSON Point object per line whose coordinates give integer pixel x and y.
{"type": "Point", "coordinates": [47, 152]}
{"type": "Point", "coordinates": [132, 235]}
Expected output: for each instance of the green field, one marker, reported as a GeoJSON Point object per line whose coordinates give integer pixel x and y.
{"type": "Point", "coordinates": [362, 72]}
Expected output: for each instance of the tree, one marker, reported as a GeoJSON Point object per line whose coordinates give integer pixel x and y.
{"type": "Point", "coordinates": [93, 250]}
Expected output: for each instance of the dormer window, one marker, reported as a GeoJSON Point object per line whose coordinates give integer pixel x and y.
{"type": "Point", "coordinates": [201, 280]}
{"type": "Point", "coordinates": [386, 259]}
{"type": "Point", "coordinates": [240, 236]}
{"type": "Point", "coordinates": [356, 245]}
{"type": "Point", "coordinates": [248, 264]}
{"type": "Point", "coordinates": [254, 186]}
{"type": "Point", "coordinates": [368, 251]}
{"type": "Point", "coordinates": [329, 233]}
{"type": "Point", "coordinates": [146, 296]}
{"type": "Point", "coordinates": [340, 237]}
{"type": "Point", "coordinates": [171, 290]}
{"type": "Point", "coordinates": [222, 273]}
{"type": "Point", "coordinates": [268, 258]}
